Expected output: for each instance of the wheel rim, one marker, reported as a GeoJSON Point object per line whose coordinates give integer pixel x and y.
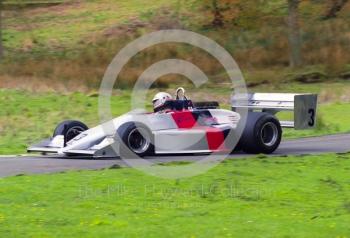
{"type": "Point", "coordinates": [138, 140]}
{"type": "Point", "coordinates": [269, 134]}
{"type": "Point", "coordinates": [73, 132]}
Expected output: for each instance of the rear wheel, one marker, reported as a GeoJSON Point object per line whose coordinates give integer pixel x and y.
{"type": "Point", "coordinates": [269, 134]}
{"type": "Point", "coordinates": [262, 134]}
{"type": "Point", "coordinates": [69, 129]}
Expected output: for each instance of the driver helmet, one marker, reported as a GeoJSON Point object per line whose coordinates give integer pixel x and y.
{"type": "Point", "coordinates": [160, 99]}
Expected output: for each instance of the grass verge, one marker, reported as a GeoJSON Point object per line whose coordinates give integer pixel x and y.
{"type": "Point", "coordinates": [266, 197]}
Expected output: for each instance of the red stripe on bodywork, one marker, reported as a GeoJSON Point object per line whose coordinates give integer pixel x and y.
{"type": "Point", "coordinates": [184, 119]}
{"type": "Point", "coordinates": [215, 138]}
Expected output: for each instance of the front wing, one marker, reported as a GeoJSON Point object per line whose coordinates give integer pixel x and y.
{"type": "Point", "coordinates": [107, 148]}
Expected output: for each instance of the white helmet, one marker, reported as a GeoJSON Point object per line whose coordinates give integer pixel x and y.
{"type": "Point", "coordinates": [160, 99]}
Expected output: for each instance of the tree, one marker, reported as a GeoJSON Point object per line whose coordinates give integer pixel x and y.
{"type": "Point", "coordinates": [294, 39]}
{"type": "Point", "coordinates": [238, 13]}
{"type": "Point", "coordinates": [335, 7]}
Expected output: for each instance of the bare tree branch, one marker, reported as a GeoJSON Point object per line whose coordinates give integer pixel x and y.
{"type": "Point", "coordinates": [218, 20]}
{"type": "Point", "coordinates": [1, 44]}
{"type": "Point", "coordinates": [294, 34]}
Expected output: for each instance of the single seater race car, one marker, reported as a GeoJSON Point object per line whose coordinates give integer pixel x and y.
{"type": "Point", "coordinates": [181, 126]}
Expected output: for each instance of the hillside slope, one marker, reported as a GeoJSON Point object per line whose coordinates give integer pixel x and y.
{"type": "Point", "coordinates": [72, 43]}
{"type": "Point", "coordinates": [69, 24]}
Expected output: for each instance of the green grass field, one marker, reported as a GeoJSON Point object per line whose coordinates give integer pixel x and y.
{"type": "Point", "coordinates": [26, 118]}
{"type": "Point", "coordinates": [303, 196]}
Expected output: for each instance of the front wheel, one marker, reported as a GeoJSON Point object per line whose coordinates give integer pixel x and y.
{"type": "Point", "coordinates": [69, 129]}
{"type": "Point", "coordinates": [137, 138]}
{"type": "Point", "coordinates": [262, 134]}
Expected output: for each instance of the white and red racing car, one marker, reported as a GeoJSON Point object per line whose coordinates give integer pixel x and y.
{"type": "Point", "coordinates": [187, 127]}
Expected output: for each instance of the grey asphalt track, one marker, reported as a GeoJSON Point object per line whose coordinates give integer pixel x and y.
{"type": "Point", "coordinates": [15, 165]}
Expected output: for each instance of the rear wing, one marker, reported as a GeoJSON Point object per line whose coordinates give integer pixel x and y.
{"type": "Point", "coordinates": [304, 106]}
